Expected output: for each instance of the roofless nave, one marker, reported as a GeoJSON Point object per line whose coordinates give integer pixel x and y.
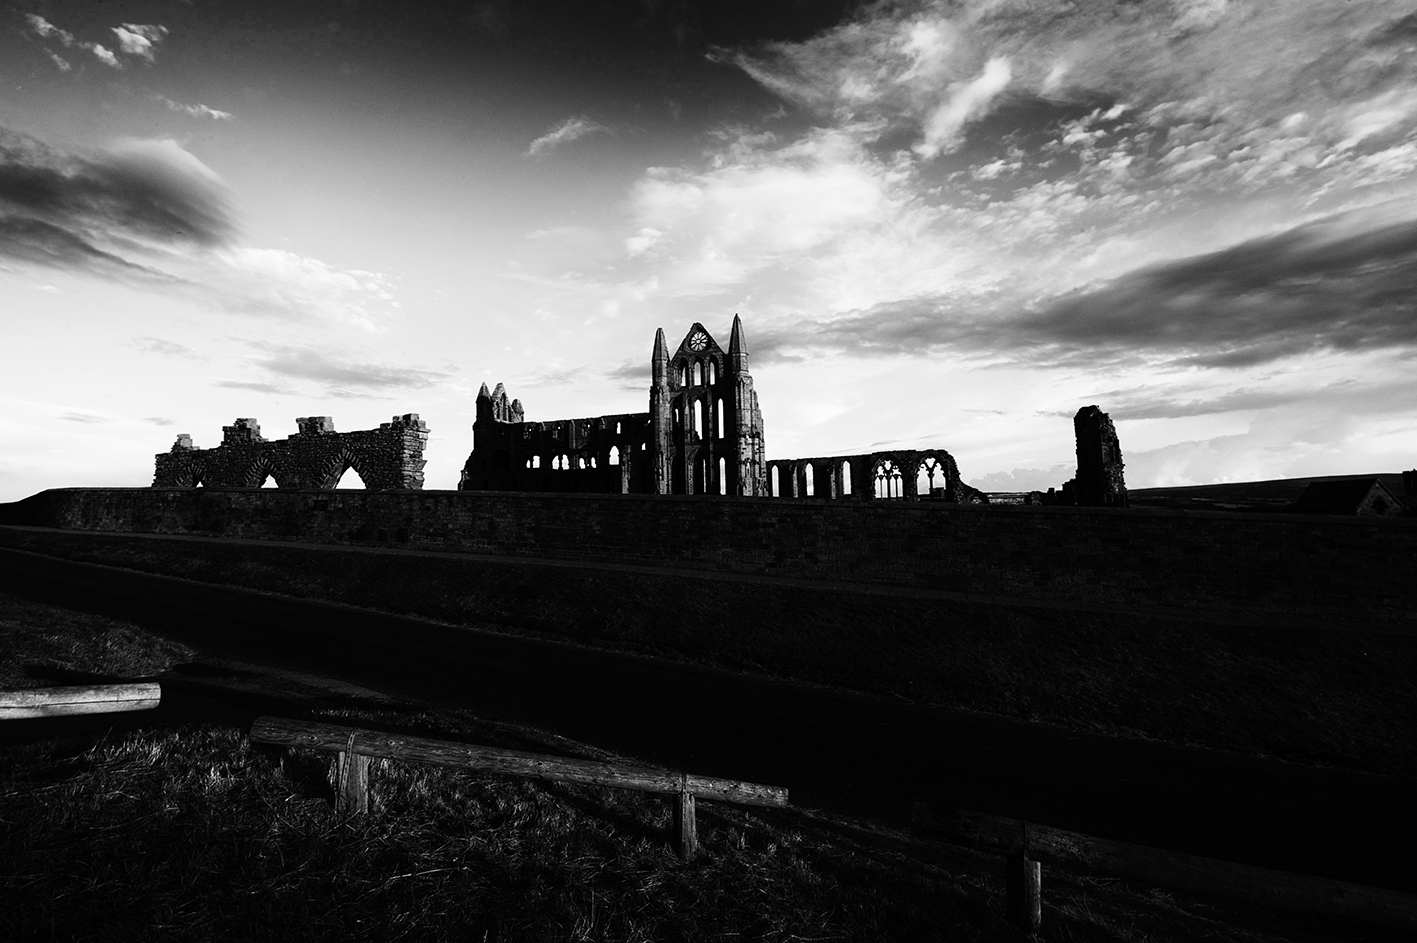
{"type": "Point", "coordinates": [703, 435]}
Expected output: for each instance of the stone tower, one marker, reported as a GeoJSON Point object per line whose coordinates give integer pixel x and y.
{"type": "Point", "coordinates": [707, 429]}
{"type": "Point", "coordinates": [1099, 481]}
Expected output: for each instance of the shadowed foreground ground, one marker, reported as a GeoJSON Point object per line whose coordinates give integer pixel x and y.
{"type": "Point", "coordinates": [833, 749]}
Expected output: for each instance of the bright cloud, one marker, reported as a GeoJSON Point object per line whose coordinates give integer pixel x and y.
{"type": "Point", "coordinates": [138, 40]}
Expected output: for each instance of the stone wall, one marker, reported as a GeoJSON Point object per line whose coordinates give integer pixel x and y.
{"type": "Point", "coordinates": [390, 456]}
{"type": "Point", "coordinates": [1343, 568]}
{"type": "Point", "coordinates": [903, 474]}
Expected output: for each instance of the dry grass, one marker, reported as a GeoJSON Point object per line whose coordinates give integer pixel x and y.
{"type": "Point", "coordinates": [192, 833]}
{"type": "Point", "coordinates": [1339, 698]}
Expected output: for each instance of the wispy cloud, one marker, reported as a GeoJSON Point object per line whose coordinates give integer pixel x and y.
{"type": "Point", "coordinates": [160, 420]}
{"type": "Point", "coordinates": [84, 417]}
{"type": "Point", "coordinates": [196, 111]}
{"type": "Point", "coordinates": [149, 213]}
{"type": "Point", "coordinates": [572, 129]}
{"type": "Point", "coordinates": [340, 376]}
{"type": "Point", "coordinates": [59, 61]}
{"type": "Point", "coordinates": [156, 345]}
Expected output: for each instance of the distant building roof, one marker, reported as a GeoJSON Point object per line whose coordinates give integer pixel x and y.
{"type": "Point", "coordinates": [1348, 496]}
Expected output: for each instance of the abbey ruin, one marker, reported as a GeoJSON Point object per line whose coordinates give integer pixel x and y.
{"type": "Point", "coordinates": [317, 456]}
{"type": "Point", "coordinates": [702, 435]}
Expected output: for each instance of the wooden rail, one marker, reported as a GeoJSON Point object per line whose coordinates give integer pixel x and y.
{"type": "Point", "coordinates": [79, 699]}
{"type": "Point", "coordinates": [355, 746]}
{"type": "Point", "coordinates": [1027, 844]}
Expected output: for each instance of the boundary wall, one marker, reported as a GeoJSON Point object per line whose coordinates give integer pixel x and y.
{"type": "Point", "coordinates": [1350, 568]}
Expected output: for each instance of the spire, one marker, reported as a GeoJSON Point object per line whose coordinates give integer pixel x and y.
{"type": "Point", "coordinates": [659, 361]}
{"type": "Point", "coordinates": [738, 347]}
{"type": "Point", "coordinates": [483, 393]}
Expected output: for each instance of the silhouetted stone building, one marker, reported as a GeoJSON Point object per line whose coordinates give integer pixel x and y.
{"type": "Point", "coordinates": [703, 433]}
{"type": "Point", "coordinates": [389, 457]}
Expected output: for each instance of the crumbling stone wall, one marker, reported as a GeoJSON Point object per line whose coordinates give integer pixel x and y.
{"type": "Point", "coordinates": [1099, 482]}
{"type": "Point", "coordinates": [873, 476]}
{"type": "Point", "coordinates": [389, 457]}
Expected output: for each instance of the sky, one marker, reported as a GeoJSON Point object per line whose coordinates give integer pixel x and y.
{"type": "Point", "coordinates": [944, 224]}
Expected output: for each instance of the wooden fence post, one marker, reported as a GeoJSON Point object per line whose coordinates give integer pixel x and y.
{"type": "Point", "coordinates": [686, 837]}
{"type": "Point", "coordinates": [352, 788]}
{"type": "Point", "coordinates": [1024, 882]}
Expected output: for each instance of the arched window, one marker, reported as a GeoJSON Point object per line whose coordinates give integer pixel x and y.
{"type": "Point", "coordinates": [698, 373]}
{"type": "Point", "coordinates": [775, 493]}
{"type": "Point", "coordinates": [614, 455]}
{"type": "Point", "coordinates": [808, 486]}
{"type": "Point", "coordinates": [698, 419]}
{"type": "Point", "coordinates": [683, 374]}
{"type": "Point", "coordinates": [718, 429]}
{"type": "Point", "coordinates": [565, 463]}
{"type": "Point", "coordinates": [536, 461]}
{"type": "Point", "coordinates": [723, 476]}
{"type": "Point", "coordinates": [845, 478]}
{"type": "Point", "coordinates": [929, 476]}
{"type": "Point", "coordinates": [888, 479]}
{"type": "Point", "coordinates": [712, 372]}
{"type": "Point", "coordinates": [350, 479]}
{"type": "Point", "coordinates": [701, 472]}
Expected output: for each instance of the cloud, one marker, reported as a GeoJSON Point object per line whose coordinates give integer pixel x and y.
{"type": "Point", "coordinates": [1024, 479]}
{"type": "Point", "coordinates": [84, 417]}
{"type": "Point", "coordinates": [271, 388]}
{"type": "Point", "coordinates": [149, 213]}
{"type": "Point", "coordinates": [1334, 284]}
{"type": "Point", "coordinates": [60, 61]}
{"type": "Point", "coordinates": [47, 30]}
{"type": "Point", "coordinates": [1342, 283]}
{"type": "Point", "coordinates": [32, 240]}
{"type": "Point", "coordinates": [156, 345]}
{"type": "Point", "coordinates": [160, 420]}
{"type": "Point", "coordinates": [572, 129]}
{"type": "Point", "coordinates": [151, 192]}
{"type": "Point", "coordinates": [943, 128]}
{"type": "Point", "coordinates": [103, 54]}
{"type": "Point", "coordinates": [196, 111]}
{"type": "Point", "coordinates": [339, 376]}
{"type": "Point", "coordinates": [138, 40]}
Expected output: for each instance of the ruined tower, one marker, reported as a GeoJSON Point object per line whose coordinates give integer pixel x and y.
{"type": "Point", "coordinates": [1099, 481]}
{"type": "Point", "coordinates": [707, 429]}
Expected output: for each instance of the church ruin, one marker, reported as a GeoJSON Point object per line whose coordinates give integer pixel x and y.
{"type": "Point", "coordinates": [703, 433]}
{"type": "Point", "coordinates": [389, 457]}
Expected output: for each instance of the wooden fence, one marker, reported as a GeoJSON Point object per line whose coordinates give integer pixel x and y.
{"type": "Point", "coordinates": [1027, 845]}
{"type": "Point", "coordinates": [355, 746]}
{"type": "Point", "coordinates": [79, 699]}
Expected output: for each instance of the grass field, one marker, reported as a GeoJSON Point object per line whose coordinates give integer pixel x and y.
{"type": "Point", "coordinates": [156, 831]}
{"type": "Point", "coordinates": [1340, 698]}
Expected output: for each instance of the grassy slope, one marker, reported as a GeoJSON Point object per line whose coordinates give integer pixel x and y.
{"type": "Point", "coordinates": [1340, 698]}
{"type": "Point", "coordinates": [190, 833]}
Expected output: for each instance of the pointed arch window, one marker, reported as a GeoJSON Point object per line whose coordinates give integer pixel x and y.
{"type": "Point", "coordinates": [718, 429]}
{"type": "Point", "coordinates": [698, 419]}
{"type": "Point", "coordinates": [723, 476]}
